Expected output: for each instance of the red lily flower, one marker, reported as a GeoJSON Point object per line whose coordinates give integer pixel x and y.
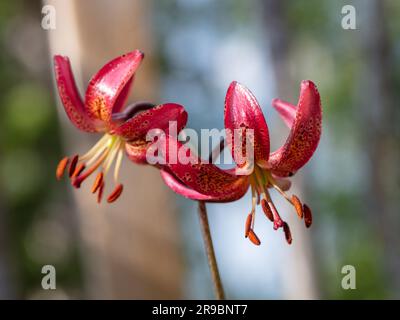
{"type": "Point", "coordinates": [207, 182]}
{"type": "Point", "coordinates": [102, 111]}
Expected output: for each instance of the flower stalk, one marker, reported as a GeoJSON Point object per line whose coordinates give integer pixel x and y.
{"type": "Point", "coordinates": [208, 244]}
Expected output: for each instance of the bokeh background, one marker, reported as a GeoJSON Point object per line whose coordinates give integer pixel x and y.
{"type": "Point", "coordinates": [148, 245]}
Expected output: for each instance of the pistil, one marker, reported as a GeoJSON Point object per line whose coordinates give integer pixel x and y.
{"type": "Point", "coordinates": [262, 183]}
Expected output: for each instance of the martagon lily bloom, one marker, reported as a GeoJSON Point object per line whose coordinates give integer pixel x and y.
{"type": "Point", "coordinates": [102, 111]}
{"type": "Point", "coordinates": [206, 182]}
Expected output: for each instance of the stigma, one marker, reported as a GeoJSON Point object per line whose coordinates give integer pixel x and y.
{"type": "Point", "coordinates": [260, 181]}
{"type": "Point", "coordinates": [108, 151]}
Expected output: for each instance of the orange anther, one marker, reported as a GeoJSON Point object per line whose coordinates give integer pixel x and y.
{"type": "Point", "coordinates": [61, 168]}
{"type": "Point", "coordinates": [253, 237]}
{"type": "Point", "coordinates": [298, 206]}
{"type": "Point", "coordinates": [307, 215]}
{"type": "Point", "coordinates": [115, 194]}
{"type": "Point", "coordinates": [267, 210]}
{"type": "Point", "coordinates": [248, 225]}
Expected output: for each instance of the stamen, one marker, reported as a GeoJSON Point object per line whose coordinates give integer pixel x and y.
{"type": "Point", "coordinates": [258, 196]}
{"type": "Point", "coordinates": [118, 164]}
{"type": "Point", "coordinates": [110, 159]}
{"type": "Point", "coordinates": [288, 234]}
{"type": "Point", "coordinates": [253, 238]}
{"type": "Point", "coordinates": [97, 154]}
{"type": "Point", "coordinates": [102, 153]}
{"type": "Point", "coordinates": [267, 210]}
{"type": "Point", "coordinates": [78, 180]}
{"type": "Point", "coordinates": [272, 182]}
{"type": "Point", "coordinates": [115, 194]}
{"type": "Point", "coordinates": [298, 206]}
{"type": "Point", "coordinates": [307, 216]}
{"type": "Point", "coordinates": [78, 170]}
{"type": "Point", "coordinates": [72, 165]}
{"type": "Point", "coordinates": [61, 167]}
{"type": "Point", "coordinates": [248, 225]}
{"type": "Point", "coordinates": [98, 182]}
{"type": "Point", "coordinates": [101, 144]}
{"type": "Point", "coordinates": [253, 206]}
{"type": "Point", "coordinates": [100, 194]}
{"type": "Point", "coordinates": [259, 177]}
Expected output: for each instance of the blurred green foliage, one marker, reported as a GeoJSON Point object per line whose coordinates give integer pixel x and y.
{"type": "Point", "coordinates": [345, 234]}
{"type": "Point", "coordinates": [29, 149]}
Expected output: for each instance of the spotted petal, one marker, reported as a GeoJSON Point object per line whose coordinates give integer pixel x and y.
{"type": "Point", "coordinates": [286, 110]}
{"type": "Point", "coordinates": [195, 179]}
{"type": "Point", "coordinates": [158, 117]}
{"type": "Point", "coordinates": [304, 135]}
{"type": "Point", "coordinates": [178, 187]}
{"type": "Point", "coordinates": [70, 96]}
{"type": "Point", "coordinates": [136, 151]}
{"type": "Point", "coordinates": [242, 112]}
{"type": "Point", "coordinates": [108, 89]}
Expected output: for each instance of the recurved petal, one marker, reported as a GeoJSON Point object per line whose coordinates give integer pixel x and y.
{"type": "Point", "coordinates": [123, 96]}
{"type": "Point", "coordinates": [136, 151]}
{"type": "Point", "coordinates": [304, 135]}
{"type": "Point", "coordinates": [158, 117]}
{"type": "Point", "coordinates": [110, 86]}
{"type": "Point", "coordinates": [69, 95]}
{"type": "Point", "coordinates": [286, 110]}
{"type": "Point", "coordinates": [178, 187]}
{"type": "Point", "coordinates": [185, 173]}
{"type": "Point", "coordinates": [242, 112]}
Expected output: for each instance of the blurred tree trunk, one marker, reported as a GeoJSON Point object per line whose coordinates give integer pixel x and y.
{"type": "Point", "coordinates": [381, 141]}
{"type": "Point", "coordinates": [131, 249]}
{"type": "Point", "coordinates": [299, 277]}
